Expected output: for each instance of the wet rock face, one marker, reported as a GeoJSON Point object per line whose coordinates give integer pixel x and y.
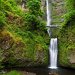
{"type": "Point", "coordinates": [6, 42]}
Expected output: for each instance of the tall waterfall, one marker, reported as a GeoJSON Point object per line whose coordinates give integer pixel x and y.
{"type": "Point", "coordinates": [48, 17]}
{"type": "Point", "coordinates": [53, 42]}
{"type": "Point", "coordinates": [53, 53]}
{"type": "Point", "coordinates": [48, 14]}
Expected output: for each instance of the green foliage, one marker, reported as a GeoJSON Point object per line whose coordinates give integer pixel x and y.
{"type": "Point", "coordinates": [12, 73]}
{"type": "Point", "coordinates": [70, 4]}
{"type": "Point", "coordinates": [33, 23]}
{"type": "Point", "coordinates": [8, 6]}
{"type": "Point", "coordinates": [1, 58]}
{"type": "Point", "coordinates": [28, 32]}
{"type": "Point", "coordinates": [69, 17]}
{"type": "Point", "coordinates": [67, 35]}
{"type": "Point", "coordinates": [70, 14]}
{"type": "Point", "coordinates": [31, 20]}
{"type": "Point", "coordinates": [18, 2]}
{"type": "Point", "coordinates": [2, 19]}
{"type": "Point", "coordinates": [33, 17]}
{"type": "Point", "coordinates": [34, 6]}
{"type": "Point", "coordinates": [66, 44]}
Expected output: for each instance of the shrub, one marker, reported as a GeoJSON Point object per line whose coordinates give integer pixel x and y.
{"type": "Point", "coordinates": [69, 17]}
{"type": "Point", "coordinates": [2, 19]}
{"type": "Point", "coordinates": [33, 22]}
{"type": "Point", "coordinates": [70, 14]}
{"type": "Point", "coordinates": [33, 5]}
{"type": "Point", "coordinates": [70, 4]}
{"type": "Point", "coordinates": [13, 73]}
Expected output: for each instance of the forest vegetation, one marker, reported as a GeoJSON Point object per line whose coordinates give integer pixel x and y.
{"type": "Point", "coordinates": [23, 36]}
{"type": "Point", "coordinates": [24, 40]}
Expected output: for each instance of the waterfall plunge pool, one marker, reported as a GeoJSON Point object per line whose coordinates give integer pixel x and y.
{"type": "Point", "coordinates": [44, 71]}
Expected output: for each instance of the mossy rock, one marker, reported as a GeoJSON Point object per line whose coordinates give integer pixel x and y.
{"type": "Point", "coordinates": [18, 53]}
{"type": "Point", "coordinates": [67, 45]}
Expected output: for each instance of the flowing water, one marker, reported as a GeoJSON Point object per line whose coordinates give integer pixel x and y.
{"type": "Point", "coordinates": [53, 53]}
{"type": "Point", "coordinates": [53, 42]}
{"type": "Point", "coordinates": [48, 17]}
{"type": "Point", "coordinates": [48, 13]}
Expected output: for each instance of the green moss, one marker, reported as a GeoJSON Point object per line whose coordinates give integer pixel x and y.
{"type": "Point", "coordinates": [24, 40]}
{"type": "Point", "coordinates": [66, 44]}
{"type": "Point", "coordinates": [13, 73]}
{"type": "Point", "coordinates": [69, 5]}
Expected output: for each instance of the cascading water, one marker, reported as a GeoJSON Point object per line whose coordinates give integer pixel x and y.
{"type": "Point", "coordinates": [53, 42]}
{"type": "Point", "coordinates": [48, 14]}
{"type": "Point", "coordinates": [48, 17]}
{"type": "Point", "coordinates": [53, 53]}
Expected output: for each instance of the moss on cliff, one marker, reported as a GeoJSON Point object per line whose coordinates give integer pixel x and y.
{"type": "Point", "coordinates": [23, 37]}
{"type": "Point", "coordinates": [66, 44]}
{"type": "Point", "coordinates": [67, 37]}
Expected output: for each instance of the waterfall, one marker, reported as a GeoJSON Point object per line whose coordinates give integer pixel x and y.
{"type": "Point", "coordinates": [53, 42]}
{"type": "Point", "coordinates": [48, 17]}
{"type": "Point", "coordinates": [53, 53]}
{"type": "Point", "coordinates": [48, 14]}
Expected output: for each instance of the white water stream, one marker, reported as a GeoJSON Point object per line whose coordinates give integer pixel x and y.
{"type": "Point", "coordinates": [53, 42]}
{"type": "Point", "coordinates": [53, 53]}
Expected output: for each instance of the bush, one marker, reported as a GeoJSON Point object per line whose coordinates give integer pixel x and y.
{"type": "Point", "coordinates": [70, 14]}
{"type": "Point", "coordinates": [33, 17]}
{"type": "Point", "coordinates": [18, 2]}
{"type": "Point", "coordinates": [33, 23]}
{"type": "Point", "coordinates": [34, 7]}
{"type": "Point", "coordinates": [13, 73]}
{"type": "Point", "coordinates": [70, 4]}
{"type": "Point", "coordinates": [2, 19]}
{"type": "Point", "coordinates": [69, 17]}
